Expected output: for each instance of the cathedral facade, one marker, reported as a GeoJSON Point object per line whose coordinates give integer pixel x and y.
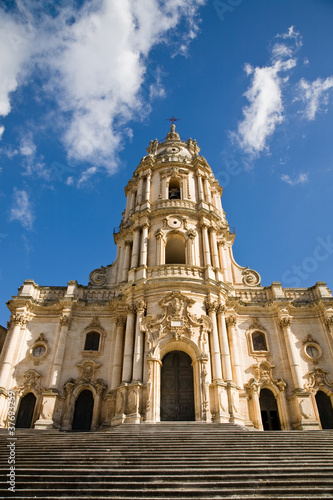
{"type": "Point", "coordinates": [174, 329]}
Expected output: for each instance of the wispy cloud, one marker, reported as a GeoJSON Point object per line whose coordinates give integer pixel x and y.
{"type": "Point", "coordinates": [301, 179]}
{"type": "Point", "coordinates": [315, 95]}
{"type": "Point", "coordinates": [21, 210]}
{"type": "Point", "coordinates": [95, 74]}
{"type": "Point", "coordinates": [265, 110]}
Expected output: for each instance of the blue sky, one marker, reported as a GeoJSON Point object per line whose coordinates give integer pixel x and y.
{"type": "Point", "coordinates": [84, 87]}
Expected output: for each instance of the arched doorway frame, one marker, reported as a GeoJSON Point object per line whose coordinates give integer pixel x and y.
{"type": "Point", "coordinates": [73, 391]}
{"type": "Point", "coordinates": [254, 388]}
{"type": "Point", "coordinates": [201, 377]}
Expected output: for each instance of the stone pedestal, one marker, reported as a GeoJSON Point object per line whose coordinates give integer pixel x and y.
{"type": "Point", "coordinates": [46, 419]}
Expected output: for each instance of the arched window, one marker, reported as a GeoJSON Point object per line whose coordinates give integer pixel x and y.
{"type": "Point", "coordinates": [92, 341]}
{"type": "Point", "coordinates": [175, 250]}
{"type": "Point", "coordinates": [259, 341]}
{"type": "Point", "coordinates": [174, 189]}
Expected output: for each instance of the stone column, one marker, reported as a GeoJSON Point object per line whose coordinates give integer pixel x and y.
{"type": "Point", "coordinates": [231, 324]}
{"type": "Point", "coordinates": [97, 406]}
{"type": "Point", "coordinates": [206, 249]}
{"type": "Point", "coordinates": [200, 188]}
{"type": "Point", "coordinates": [135, 249]}
{"type": "Point", "coordinates": [254, 406]}
{"type": "Point", "coordinates": [140, 191]}
{"type": "Point", "coordinates": [129, 341]}
{"type": "Point", "coordinates": [213, 243]}
{"type": "Point", "coordinates": [292, 353]}
{"type": "Point", "coordinates": [118, 353]}
{"type": "Point", "coordinates": [191, 261]}
{"type": "Point", "coordinates": [153, 390]}
{"type": "Point", "coordinates": [127, 260]}
{"type": "Point", "coordinates": [139, 343]}
{"type": "Point", "coordinates": [65, 323]}
{"type": "Point", "coordinates": [17, 322]}
{"type": "Point", "coordinates": [147, 193]}
{"type": "Point", "coordinates": [225, 257]}
{"type": "Point", "coordinates": [225, 352]}
{"type": "Point", "coordinates": [159, 247]}
{"type": "Point", "coordinates": [214, 342]}
{"type": "Point", "coordinates": [207, 190]}
{"type": "Point", "coordinates": [144, 244]}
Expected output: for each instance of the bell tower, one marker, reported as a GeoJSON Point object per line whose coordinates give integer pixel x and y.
{"type": "Point", "coordinates": [175, 259]}
{"type": "Point", "coordinates": [174, 217]}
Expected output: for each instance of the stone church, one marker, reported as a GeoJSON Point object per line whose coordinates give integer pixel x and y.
{"type": "Point", "coordinates": [174, 329]}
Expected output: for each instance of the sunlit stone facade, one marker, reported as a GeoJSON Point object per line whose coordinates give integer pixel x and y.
{"type": "Point", "coordinates": [174, 329]}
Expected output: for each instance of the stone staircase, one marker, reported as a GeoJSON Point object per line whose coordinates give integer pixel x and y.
{"type": "Point", "coordinates": [170, 461]}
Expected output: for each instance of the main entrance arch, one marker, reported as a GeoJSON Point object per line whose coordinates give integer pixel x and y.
{"type": "Point", "coordinates": [177, 392]}
{"type": "Point", "coordinates": [83, 411]}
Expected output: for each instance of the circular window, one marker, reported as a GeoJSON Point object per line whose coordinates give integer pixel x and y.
{"type": "Point", "coordinates": [312, 351]}
{"type": "Point", "coordinates": [174, 223]}
{"type": "Point", "coordinates": [39, 351]}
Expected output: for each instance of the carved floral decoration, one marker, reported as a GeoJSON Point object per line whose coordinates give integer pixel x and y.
{"type": "Point", "coordinates": [318, 378]}
{"type": "Point", "coordinates": [175, 320]}
{"type": "Point", "coordinates": [263, 376]}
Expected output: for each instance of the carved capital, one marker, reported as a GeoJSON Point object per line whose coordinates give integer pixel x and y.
{"type": "Point", "coordinates": [191, 233]}
{"type": "Point", "coordinates": [159, 234]}
{"type": "Point", "coordinates": [221, 309]}
{"type": "Point", "coordinates": [285, 322]}
{"type": "Point", "coordinates": [120, 321]}
{"type": "Point", "coordinates": [231, 320]}
{"type": "Point", "coordinates": [19, 319]}
{"type": "Point", "coordinates": [130, 309]}
{"type": "Point", "coordinates": [65, 320]}
{"type": "Point", "coordinates": [212, 306]}
{"type": "Point", "coordinates": [140, 306]}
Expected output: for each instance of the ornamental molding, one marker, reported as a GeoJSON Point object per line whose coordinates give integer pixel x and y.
{"type": "Point", "coordinates": [31, 383]}
{"type": "Point", "coordinates": [176, 321]}
{"type": "Point", "coordinates": [318, 378]}
{"type": "Point", "coordinates": [250, 277]}
{"type": "Point", "coordinates": [87, 371]}
{"type": "Point", "coordinates": [94, 325]}
{"type": "Point", "coordinates": [98, 276]}
{"type": "Point", "coordinates": [263, 377]}
{"type": "Point", "coordinates": [256, 325]}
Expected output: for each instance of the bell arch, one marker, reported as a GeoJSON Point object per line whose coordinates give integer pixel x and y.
{"type": "Point", "coordinates": [175, 249]}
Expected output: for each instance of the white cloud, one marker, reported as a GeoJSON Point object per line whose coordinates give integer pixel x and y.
{"type": "Point", "coordinates": [16, 42]}
{"type": "Point", "coordinates": [301, 179]}
{"type": "Point", "coordinates": [97, 62]}
{"type": "Point", "coordinates": [314, 95]}
{"type": "Point", "coordinates": [265, 110]}
{"type": "Point", "coordinates": [21, 209]}
{"type": "Point", "coordinates": [2, 129]}
{"type": "Point", "coordinates": [33, 163]}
